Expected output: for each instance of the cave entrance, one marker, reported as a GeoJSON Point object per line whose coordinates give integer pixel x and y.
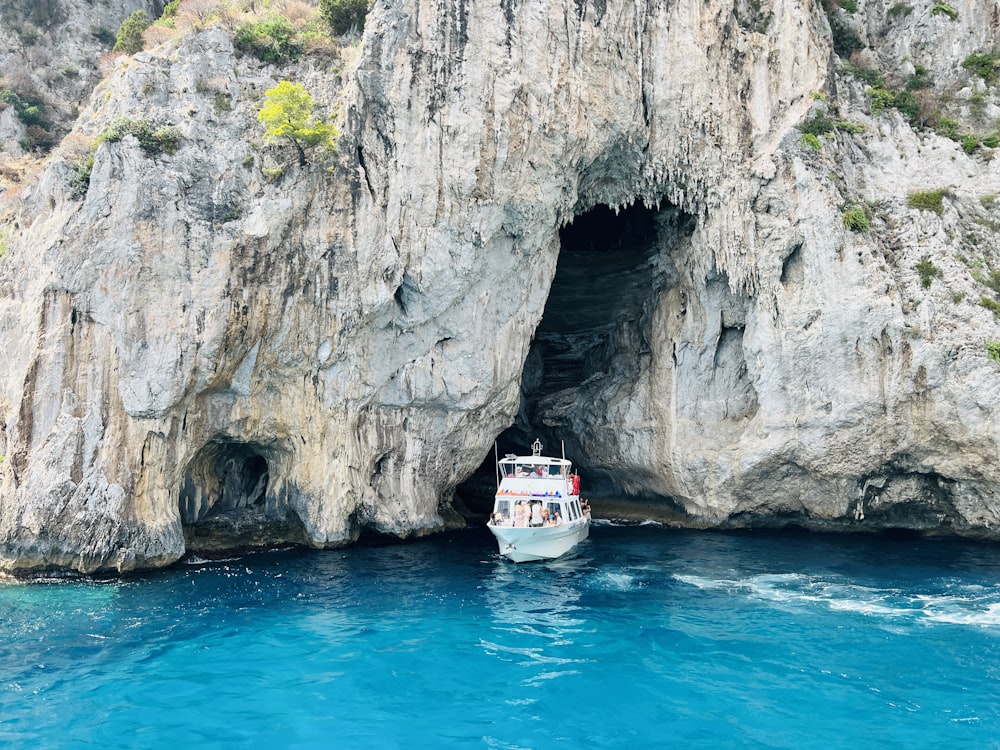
{"type": "Point", "coordinates": [595, 332]}
{"type": "Point", "coordinates": [228, 499]}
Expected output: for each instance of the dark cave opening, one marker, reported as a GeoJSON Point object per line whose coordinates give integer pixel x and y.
{"type": "Point", "coordinates": [613, 267]}
{"type": "Point", "coordinates": [228, 498]}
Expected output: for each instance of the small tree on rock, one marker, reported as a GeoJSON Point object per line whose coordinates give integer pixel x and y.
{"type": "Point", "coordinates": [129, 38]}
{"type": "Point", "coordinates": [288, 113]}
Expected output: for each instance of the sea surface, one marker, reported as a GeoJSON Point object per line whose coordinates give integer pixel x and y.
{"type": "Point", "coordinates": [643, 637]}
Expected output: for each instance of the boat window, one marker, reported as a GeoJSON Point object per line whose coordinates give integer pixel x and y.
{"type": "Point", "coordinates": [503, 506]}
{"type": "Point", "coordinates": [575, 509]}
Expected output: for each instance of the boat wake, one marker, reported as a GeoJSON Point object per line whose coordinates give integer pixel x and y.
{"type": "Point", "coordinates": [955, 605]}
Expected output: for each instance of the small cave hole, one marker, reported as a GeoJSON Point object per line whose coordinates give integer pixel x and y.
{"type": "Point", "coordinates": [228, 498]}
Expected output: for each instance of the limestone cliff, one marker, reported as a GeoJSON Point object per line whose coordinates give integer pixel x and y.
{"type": "Point", "coordinates": [596, 221]}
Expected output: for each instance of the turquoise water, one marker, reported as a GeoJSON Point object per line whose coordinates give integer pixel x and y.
{"type": "Point", "coordinates": [643, 637]}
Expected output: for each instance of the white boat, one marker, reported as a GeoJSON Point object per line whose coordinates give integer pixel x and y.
{"type": "Point", "coordinates": [537, 514]}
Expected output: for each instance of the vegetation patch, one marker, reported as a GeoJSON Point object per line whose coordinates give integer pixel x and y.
{"type": "Point", "coordinates": [900, 10]}
{"type": "Point", "coordinates": [993, 351]}
{"type": "Point", "coordinates": [154, 137]}
{"type": "Point", "coordinates": [927, 200]}
{"type": "Point", "coordinates": [928, 272]}
{"type": "Point", "coordinates": [811, 142]}
{"type": "Point", "coordinates": [943, 9]}
{"type": "Point", "coordinates": [129, 39]}
{"type": "Point", "coordinates": [921, 79]}
{"type": "Point", "coordinates": [845, 39]}
{"type": "Point", "coordinates": [858, 219]}
{"type": "Point", "coordinates": [271, 40]}
{"type": "Point", "coordinates": [985, 65]}
{"type": "Point", "coordinates": [990, 304]}
{"type": "Point", "coordinates": [948, 128]}
{"type": "Point", "coordinates": [79, 177]}
{"type": "Point", "coordinates": [844, 126]}
{"type": "Point", "coordinates": [818, 124]}
{"type": "Point", "coordinates": [969, 142]}
{"type": "Point", "coordinates": [343, 16]}
{"type": "Point", "coordinates": [30, 110]}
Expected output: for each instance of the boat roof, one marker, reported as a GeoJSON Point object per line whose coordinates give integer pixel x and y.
{"type": "Point", "coordinates": [510, 458]}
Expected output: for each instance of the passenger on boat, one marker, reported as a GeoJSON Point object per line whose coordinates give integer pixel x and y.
{"type": "Point", "coordinates": [556, 518]}
{"type": "Point", "coordinates": [520, 514]}
{"type": "Point", "coordinates": [536, 515]}
{"type": "Point", "coordinates": [545, 517]}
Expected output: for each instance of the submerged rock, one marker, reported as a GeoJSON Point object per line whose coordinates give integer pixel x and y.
{"type": "Point", "coordinates": [215, 344]}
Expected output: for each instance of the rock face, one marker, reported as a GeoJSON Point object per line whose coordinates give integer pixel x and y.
{"type": "Point", "coordinates": [207, 351]}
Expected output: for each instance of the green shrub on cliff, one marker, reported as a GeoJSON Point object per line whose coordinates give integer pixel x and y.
{"type": "Point", "coordinates": [818, 124]}
{"type": "Point", "coordinates": [30, 110]}
{"type": "Point", "coordinates": [943, 9]}
{"type": "Point", "coordinates": [986, 65]}
{"type": "Point", "coordinates": [928, 272]}
{"type": "Point", "coordinates": [129, 39]}
{"type": "Point", "coordinates": [970, 142]}
{"type": "Point", "coordinates": [154, 137]}
{"type": "Point", "coordinates": [927, 200]}
{"type": "Point", "coordinates": [857, 219]}
{"type": "Point", "coordinates": [271, 40]}
{"type": "Point", "coordinates": [990, 304]}
{"type": "Point", "coordinates": [344, 15]}
{"type": "Point", "coordinates": [811, 142]}
{"type": "Point", "coordinates": [79, 177]}
{"type": "Point", "coordinates": [993, 351]}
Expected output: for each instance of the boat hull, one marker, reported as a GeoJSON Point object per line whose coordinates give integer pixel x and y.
{"type": "Point", "coordinates": [520, 544]}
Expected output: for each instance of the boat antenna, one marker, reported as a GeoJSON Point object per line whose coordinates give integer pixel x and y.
{"type": "Point", "coordinates": [496, 455]}
{"type": "Point", "coordinates": [562, 444]}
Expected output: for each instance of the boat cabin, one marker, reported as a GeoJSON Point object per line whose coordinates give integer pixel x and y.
{"type": "Point", "coordinates": [536, 491]}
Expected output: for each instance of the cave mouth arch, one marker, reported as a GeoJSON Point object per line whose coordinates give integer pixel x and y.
{"type": "Point", "coordinates": [595, 335]}
{"type": "Point", "coordinates": [229, 498]}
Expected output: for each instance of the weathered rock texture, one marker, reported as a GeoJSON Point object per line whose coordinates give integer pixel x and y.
{"type": "Point", "coordinates": [201, 349]}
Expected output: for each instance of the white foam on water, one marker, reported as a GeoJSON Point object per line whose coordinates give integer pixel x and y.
{"type": "Point", "coordinates": [970, 605]}
{"type": "Point", "coordinates": [989, 617]}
